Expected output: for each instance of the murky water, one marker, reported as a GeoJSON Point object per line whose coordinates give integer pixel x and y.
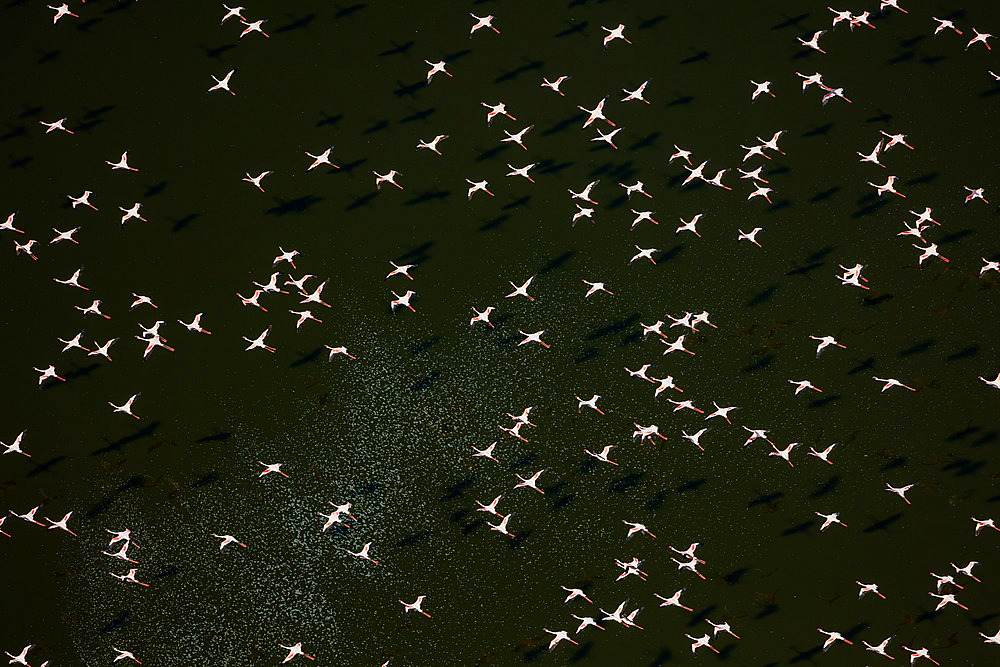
{"type": "Point", "coordinates": [393, 431]}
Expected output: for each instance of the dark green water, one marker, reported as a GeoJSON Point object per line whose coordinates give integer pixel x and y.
{"type": "Point", "coordinates": [393, 431]}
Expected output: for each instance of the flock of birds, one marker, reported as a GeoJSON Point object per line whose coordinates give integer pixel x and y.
{"type": "Point", "coordinates": [585, 200]}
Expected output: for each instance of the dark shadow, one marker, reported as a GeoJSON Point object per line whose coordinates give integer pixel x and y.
{"type": "Point", "coordinates": [791, 22]}
{"type": "Point", "coordinates": [696, 57]}
{"type": "Point", "coordinates": [221, 436]}
{"type": "Point", "coordinates": [409, 89]}
{"type": "Point", "coordinates": [760, 364]}
{"type": "Point", "coordinates": [646, 24]}
{"type": "Point", "coordinates": [182, 223]}
{"type": "Point", "coordinates": [134, 482]}
{"type": "Point", "coordinates": [922, 346]}
{"type": "Point", "coordinates": [883, 524]}
{"type": "Point", "coordinates": [457, 489]}
{"type": "Point", "coordinates": [956, 236]}
{"type": "Point", "coordinates": [419, 253]}
{"type": "Point", "coordinates": [924, 178]}
{"type": "Point", "coordinates": [581, 653]}
{"type": "Point", "coordinates": [820, 131]}
{"type": "Point", "coordinates": [575, 28]}
{"type": "Point", "coordinates": [397, 49]}
{"type": "Point", "coordinates": [18, 131]}
{"type": "Point", "coordinates": [205, 480]}
{"type": "Point", "coordinates": [986, 439]}
{"type": "Point", "coordinates": [216, 51]}
{"type": "Point", "coordinates": [663, 657]}
{"type": "Point", "coordinates": [514, 73]}
{"type": "Point", "coordinates": [765, 499]}
{"type": "Point", "coordinates": [423, 114]}
{"type": "Point", "coordinates": [116, 623]}
{"type": "Point", "coordinates": [898, 462]}
{"type": "Point", "coordinates": [307, 358]}
{"type": "Point", "coordinates": [492, 152]}
{"type": "Point", "coordinates": [826, 488]}
{"type": "Point", "coordinates": [615, 327]}
{"type": "Point", "coordinates": [586, 355]}
{"type": "Point", "coordinates": [564, 124]}
{"type": "Point", "coordinates": [876, 299]}
{"type": "Point", "coordinates": [825, 195]}
{"type": "Point", "coordinates": [494, 223]}
{"type": "Point", "coordinates": [48, 57]}
{"type": "Point", "coordinates": [805, 270]}
{"type": "Point", "coordinates": [99, 111]}
{"type": "Point", "coordinates": [168, 571]}
{"type": "Point", "coordinates": [882, 117]}
{"type": "Point", "coordinates": [805, 656]}
{"type": "Point", "coordinates": [299, 23]}
{"type": "Point", "coordinates": [904, 57]}
{"type": "Point", "coordinates": [799, 528]}
{"type": "Point", "coordinates": [426, 196]}
{"type": "Point", "coordinates": [762, 297]}
{"type": "Point", "coordinates": [963, 434]}
{"type": "Point", "coordinates": [646, 141]}
{"type": "Point", "coordinates": [420, 348]}
{"type": "Point", "coordinates": [297, 205]}
{"type": "Point", "coordinates": [681, 100]}
{"type": "Point", "coordinates": [45, 467]}
{"type": "Point", "coordinates": [118, 445]}
{"type": "Point", "coordinates": [328, 120]}
{"type": "Point", "coordinates": [562, 501]}
{"type": "Point", "coordinates": [767, 611]}
{"type": "Point", "coordinates": [556, 263]}
{"type": "Point", "coordinates": [964, 467]}
{"type": "Point", "coordinates": [825, 401]}
{"type": "Point", "coordinates": [377, 127]}
{"type": "Point", "coordinates": [516, 203]}
{"type": "Point", "coordinates": [154, 190]}
{"type": "Point", "coordinates": [870, 209]}
{"type": "Point", "coordinates": [350, 10]}
{"type": "Point", "coordinates": [363, 200]}
{"type": "Point", "coordinates": [691, 485]}
{"type": "Point", "coordinates": [627, 482]}
{"type": "Point", "coordinates": [425, 382]}
{"type": "Point", "coordinates": [734, 577]}
{"type": "Point", "coordinates": [656, 502]}
{"type": "Point", "coordinates": [414, 539]}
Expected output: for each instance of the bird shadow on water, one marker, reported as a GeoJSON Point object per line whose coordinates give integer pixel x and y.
{"type": "Point", "coordinates": [301, 22]}
{"type": "Point", "coordinates": [45, 467]}
{"type": "Point", "coordinates": [428, 195]}
{"type": "Point", "coordinates": [307, 358]}
{"type": "Point", "coordinates": [363, 200]}
{"type": "Point", "coordinates": [116, 623]}
{"type": "Point", "coordinates": [350, 10]}
{"type": "Point", "coordinates": [581, 653]}
{"type": "Point", "coordinates": [823, 402]}
{"type": "Point", "coordinates": [518, 71]}
{"type": "Point", "coordinates": [663, 657]}
{"type": "Point", "coordinates": [792, 22]}
{"type": "Point", "coordinates": [118, 445]}
{"type": "Point", "coordinates": [557, 262]}
{"type": "Point", "coordinates": [494, 223]}
{"type": "Point", "coordinates": [397, 49]}
{"type": "Point", "coordinates": [826, 488]}
{"type": "Point", "coordinates": [298, 205]}
{"type": "Point", "coordinates": [883, 524]}
{"type": "Point", "coordinates": [182, 223]}
{"type": "Point", "coordinates": [134, 482]}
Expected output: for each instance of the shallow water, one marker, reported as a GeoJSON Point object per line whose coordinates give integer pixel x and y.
{"type": "Point", "coordinates": [393, 431]}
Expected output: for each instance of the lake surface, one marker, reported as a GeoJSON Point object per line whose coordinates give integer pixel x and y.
{"type": "Point", "coordinates": [393, 430]}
